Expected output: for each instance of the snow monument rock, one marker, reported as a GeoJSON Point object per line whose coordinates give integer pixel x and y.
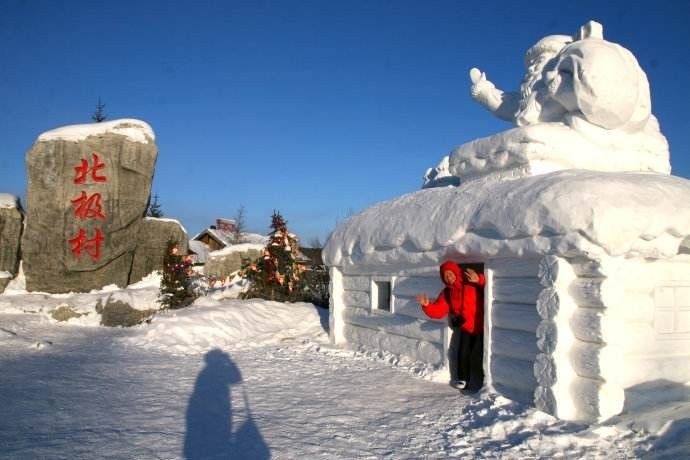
{"type": "Point", "coordinates": [88, 188]}
{"type": "Point", "coordinates": [10, 235]}
{"type": "Point", "coordinates": [579, 227]}
{"type": "Point", "coordinates": [154, 235]}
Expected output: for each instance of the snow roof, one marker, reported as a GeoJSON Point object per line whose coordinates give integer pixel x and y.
{"type": "Point", "coordinates": [200, 249]}
{"type": "Point", "coordinates": [8, 201]}
{"type": "Point", "coordinates": [220, 236]}
{"type": "Point", "coordinates": [571, 212]}
{"type": "Point", "coordinates": [134, 130]}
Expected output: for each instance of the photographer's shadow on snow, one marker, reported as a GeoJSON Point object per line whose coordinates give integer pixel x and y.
{"type": "Point", "coordinates": [211, 433]}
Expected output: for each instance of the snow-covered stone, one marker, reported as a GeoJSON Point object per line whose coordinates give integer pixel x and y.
{"type": "Point", "coordinates": [153, 237]}
{"type": "Point", "coordinates": [226, 261]}
{"type": "Point", "coordinates": [11, 227]}
{"type": "Point", "coordinates": [89, 186]}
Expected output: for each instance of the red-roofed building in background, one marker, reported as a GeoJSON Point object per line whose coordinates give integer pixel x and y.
{"type": "Point", "coordinates": [217, 237]}
{"type": "Point", "coordinates": [226, 226]}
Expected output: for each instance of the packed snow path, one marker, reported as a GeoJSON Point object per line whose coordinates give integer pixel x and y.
{"type": "Point", "coordinates": [91, 392]}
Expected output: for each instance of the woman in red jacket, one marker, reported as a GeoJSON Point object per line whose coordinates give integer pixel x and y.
{"type": "Point", "coordinates": [463, 301]}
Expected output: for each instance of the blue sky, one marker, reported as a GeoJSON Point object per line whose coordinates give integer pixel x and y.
{"type": "Point", "coordinates": [314, 108]}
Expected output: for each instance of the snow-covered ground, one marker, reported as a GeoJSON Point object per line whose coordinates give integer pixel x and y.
{"type": "Point", "coordinates": [256, 379]}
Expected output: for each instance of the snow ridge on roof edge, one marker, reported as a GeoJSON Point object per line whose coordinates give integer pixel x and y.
{"type": "Point", "coordinates": [572, 212]}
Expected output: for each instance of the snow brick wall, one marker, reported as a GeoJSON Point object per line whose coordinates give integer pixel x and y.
{"type": "Point", "coordinates": [402, 328]}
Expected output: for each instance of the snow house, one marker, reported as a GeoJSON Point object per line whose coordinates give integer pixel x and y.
{"type": "Point", "coordinates": [584, 239]}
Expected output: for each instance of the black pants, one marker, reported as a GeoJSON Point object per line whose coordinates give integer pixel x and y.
{"type": "Point", "coordinates": [471, 360]}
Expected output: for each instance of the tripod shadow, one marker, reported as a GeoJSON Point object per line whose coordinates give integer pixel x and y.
{"type": "Point", "coordinates": [209, 417]}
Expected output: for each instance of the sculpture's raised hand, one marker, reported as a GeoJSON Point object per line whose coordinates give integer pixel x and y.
{"type": "Point", "coordinates": [476, 75]}
{"type": "Point", "coordinates": [480, 85]}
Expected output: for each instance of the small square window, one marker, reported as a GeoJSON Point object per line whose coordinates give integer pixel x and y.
{"type": "Point", "coordinates": [381, 295]}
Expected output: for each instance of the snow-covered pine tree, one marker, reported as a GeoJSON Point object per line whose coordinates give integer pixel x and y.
{"type": "Point", "coordinates": [277, 275]}
{"type": "Point", "coordinates": [154, 208]}
{"type": "Point", "coordinates": [176, 289]}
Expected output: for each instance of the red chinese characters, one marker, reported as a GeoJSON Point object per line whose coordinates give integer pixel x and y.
{"type": "Point", "coordinates": [88, 207]}
{"type": "Point", "coordinates": [92, 246]}
{"type": "Point", "coordinates": [84, 169]}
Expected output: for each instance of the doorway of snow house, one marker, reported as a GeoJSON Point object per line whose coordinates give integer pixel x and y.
{"type": "Point", "coordinates": [466, 347]}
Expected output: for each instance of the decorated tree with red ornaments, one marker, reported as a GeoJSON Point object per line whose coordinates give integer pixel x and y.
{"type": "Point", "coordinates": [277, 274]}
{"type": "Point", "coordinates": [176, 287]}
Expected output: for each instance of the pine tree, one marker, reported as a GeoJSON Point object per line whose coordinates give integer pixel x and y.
{"type": "Point", "coordinates": [240, 226]}
{"type": "Point", "coordinates": [99, 115]}
{"type": "Point", "coordinates": [154, 208]}
{"type": "Point", "coordinates": [277, 275]}
{"type": "Point", "coordinates": [176, 290]}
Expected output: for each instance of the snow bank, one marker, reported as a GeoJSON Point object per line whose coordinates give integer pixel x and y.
{"type": "Point", "coordinates": [210, 323]}
{"type": "Point", "coordinates": [8, 201]}
{"type": "Point", "coordinates": [134, 130]}
{"type": "Point", "coordinates": [495, 427]}
{"type": "Point", "coordinates": [565, 212]}
{"type": "Point", "coordinates": [228, 288]}
{"type": "Point", "coordinates": [140, 296]}
{"type": "Point", "coordinates": [213, 321]}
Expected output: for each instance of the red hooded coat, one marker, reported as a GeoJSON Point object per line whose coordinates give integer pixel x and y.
{"type": "Point", "coordinates": [463, 299]}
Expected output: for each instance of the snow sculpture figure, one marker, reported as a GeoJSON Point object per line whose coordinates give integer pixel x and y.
{"type": "Point", "coordinates": [583, 103]}
{"type": "Point", "coordinates": [530, 104]}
